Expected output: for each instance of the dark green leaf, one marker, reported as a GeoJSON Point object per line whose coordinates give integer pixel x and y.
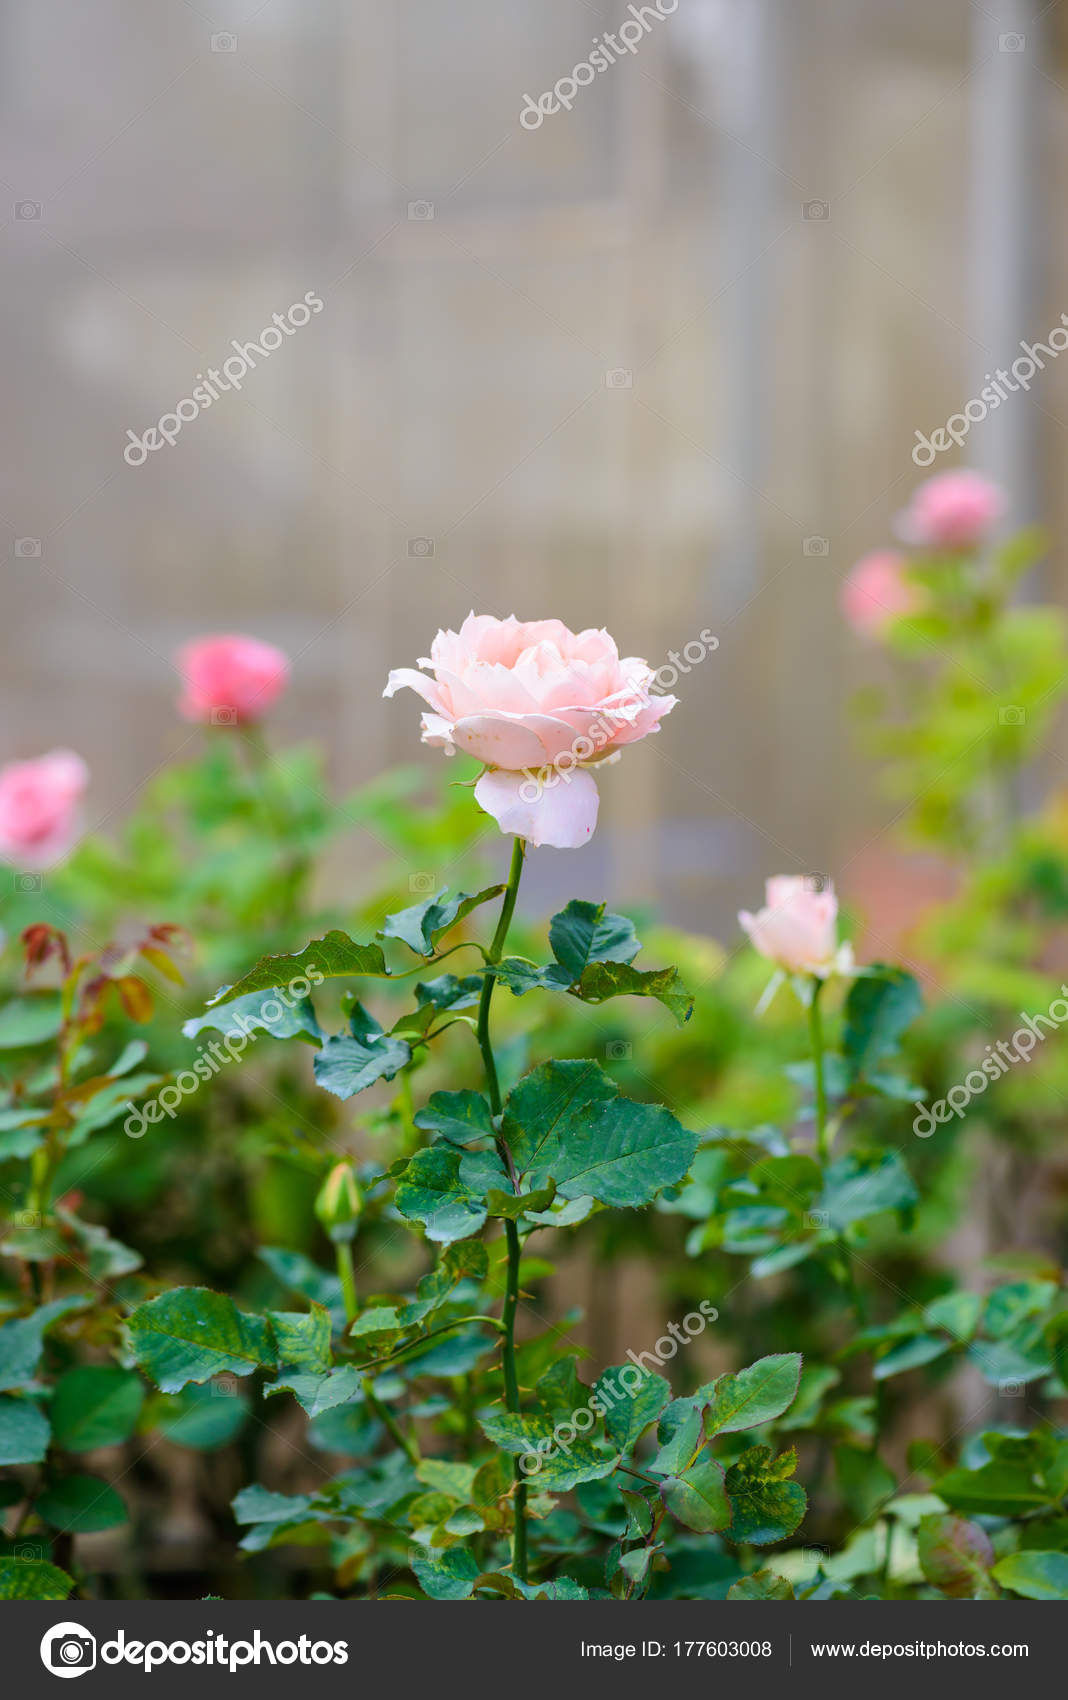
{"type": "Point", "coordinates": [755, 1395]}
{"type": "Point", "coordinates": [766, 1506]}
{"type": "Point", "coordinates": [582, 933]}
{"type": "Point", "coordinates": [270, 1011]}
{"type": "Point", "coordinates": [96, 1405]}
{"type": "Point", "coordinates": [879, 1008]}
{"type": "Point", "coordinates": [349, 1063]}
{"type": "Point", "coordinates": [204, 1418]}
{"type": "Point", "coordinates": [33, 1579]}
{"type": "Point", "coordinates": [24, 1432]}
{"type": "Point", "coordinates": [1000, 1488]}
{"type": "Point", "coordinates": [1035, 1575]}
{"type": "Point", "coordinates": [22, 1341]}
{"type": "Point", "coordinates": [460, 1117]}
{"type": "Point", "coordinates": [910, 1354]}
{"type": "Point", "coordinates": [699, 1498]}
{"type": "Point", "coordinates": [864, 1479]}
{"type": "Point", "coordinates": [334, 957]}
{"type": "Point", "coordinates": [191, 1334]}
{"type": "Point", "coordinates": [420, 926]}
{"type": "Point", "coordinates": [433, 1192]}
{"type": "Point", "coordinates": [856, 1188]}
{"type": "Point", "coordinates": [762, 1585]}
{"type": "Point", "coordinates": [631, 1405]}
{"type": "Point", "coordinates": [604, 980]}
{"type": "Point", "coordinates": [80, 1505]}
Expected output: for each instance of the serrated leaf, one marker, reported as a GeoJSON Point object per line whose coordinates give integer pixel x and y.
{"type": "Point", "coordinates": [565, 1121]}
{"type": "Point", "coordinates": [319, 1393]}
{"type": "Point", "coordinates": [582, 933]}
{"type": "Point", "coordinates": [450, 1575]}
{"type": "Point", "coordinates": [421, 925]}
{"type": "Point", "coordinates": [270, 1011]}
{"type": "Point", "coordinates": [604, 980]}
{"type": "Point", "coordinates": [433, 1192]}
{"type": "Point", "coordinates": [629, 1410]}
{"type": "Point", "coordinates": [302, 1338]}
{"type": "Point", "coordinates": [699, 1497]}
{"type": "Point", "coordinates": [350, 1062]}
{"type": "Point", "coordinates": [191, 1334]}
{"type": "Point", "coordinates": [95, 1405]}
{"type": "Point", "coordinates": [761, 1585]}
{"type": "Point", "coordinates": [335, 956]}
{"type": "Point", "coordinates": [561, 1468]}
{"type": "Point", "coordinates": [680, 1433]}
{"type": "Point", "coordinates": [755, 1395]}
{"type": "Point", "coordinates": [766, 1505]}
{"type": "Point", "coordinates": [22, 1341]}
{"type": "Point", "coordinates": [460, 1117]}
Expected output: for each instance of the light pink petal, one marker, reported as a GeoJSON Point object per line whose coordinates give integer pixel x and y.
{"type": "Point", "coordinates": [561, 815]}
{"type": "Point", "coordinates": [501, 740]}
{"type": "Point", "coordinates": [402, 678]}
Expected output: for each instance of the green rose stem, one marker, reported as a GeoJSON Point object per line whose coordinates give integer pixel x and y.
{"type": "Point", "coordinates": [815, 1028]}
{"type": "Point", "coordinates": [511, 1229]}
{"type": "Point", "coordinates": [347, 1277]}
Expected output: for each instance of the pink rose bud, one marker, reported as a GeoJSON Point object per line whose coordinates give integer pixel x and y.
{"type": "Point", "coordinates": [878, 590]}
{"type": "Point", "coordinates": [541, 706]}
{"type": "Point", "coordinates": [798, 927]}
{"type": "Point", "coordinates": [39, 809]}
{"type": "Point", "coordinates": [230, 681]}
{"type": "Point", "coordinates": [954, 510]}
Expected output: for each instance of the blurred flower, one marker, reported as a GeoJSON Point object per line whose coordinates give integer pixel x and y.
{"type": "Point", "coordinates": [39, 809]}
{"type": "Point", "coordinates": [955, 510]}
{"type": "Point", "coordinates": [540, 705]}
{"type": "Point", "coordinates": [339, 1203]}
{"type": "Point", "coordinates": [230, 680]}
{"type": "Point", "coordinates": [798, 927]}
{"type": "Point", "coordinates": [878, 590]}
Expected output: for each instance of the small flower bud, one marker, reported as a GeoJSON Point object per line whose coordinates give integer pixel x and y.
{"type": "Point", "coordinates": [339, 1204]}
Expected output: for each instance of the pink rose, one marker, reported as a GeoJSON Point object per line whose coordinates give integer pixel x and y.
{"type": "Point", "coordinates": [540, 705]}
{"type": "Point", "coordinates": [798, 928]}
{"type": "Point", "coordinates": [39, 812]}
{"type": "Point", "coordinates": [954, 510]}
{"type": "Point", "coordinates": [229, 681]}
{"type": "Point", "coordinates": [878, 590]}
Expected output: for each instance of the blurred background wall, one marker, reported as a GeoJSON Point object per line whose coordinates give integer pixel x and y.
{"type": "Point", "coordinates": [657, 364]}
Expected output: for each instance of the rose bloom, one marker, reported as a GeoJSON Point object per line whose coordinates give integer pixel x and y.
{"type": "Point", "coordinates": [39, 809]}
{"type": "Point", "coordinates": [878, 590]}
{"type": "Point", "coordinates": [541, 706]}
{"type": "Point", "coordinates": [954, 510]}
{"type": "Point", "coordinates": [230, 680]}
{"type": "Point", "coordinates": [798, 928]}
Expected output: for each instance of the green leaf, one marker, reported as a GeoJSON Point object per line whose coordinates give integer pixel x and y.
{"type": "Point", "coordinates": [80, 1505]}
{"type": "Point", "coordinates": [257, 1504]}
{"type": "Point", "coordinates": [302, 1338]}
{"type": "Point", "coordinates": [270, 1011]}
{"type": "Point", "coordinates": [22, 1341]}
{"type": "Point", "coordinates": [699, 1498]}
{"type": "Point", "coordinates": [564, 1466]}
{"type": "Point", "coordinates": [334, 957]}
{"type": "Point", "coordinates": [30, 1020]}
{"type": "Point", "coordinates": [582, 933]}
{"type": "Point", "coordinates": [766, 1506]}
{"type": "Point", "coordinates": [1035, 1575]}
{"type": "Point", "coordinates": [856, 1188]}
{"type": "Point", "coordinates": [910, 1354]}
{"type": "Point", "coordinates": [293, 1270]}
{"type": "Point", "coordinates": [33, 1579]}
{"type": "Point", "coordinates": [349, 1063]}
{"type": "Point", "coordinates": [761, 1585]}
{"type": "Point", "coordinates": [449, 992]}
{"type": "Point", "coordinates": [319, 1393]}
{"type": "Point", "coordinates": [628, 1411]}
{"type": "Point", "coordinates": [864, 1479]}
{"type": "Point", "coordinates": [450, 1575]}
{"type": "Point", "coordinates": [103, 1255]}
{"type": "Point", "coordinates": [24, 1432]}
{"type": "Point", "coordinates": [95, 1405]}
{"type": "Point", "coordinates": [459, 1117]}
{"type": "Point", "coordinates": [422, 925]}
{"type": "Point", "coordinates": [433, 1192]}
{"type": "Point", "coordinates": [604, 980]}
{"type": "Point", "coordinates": [957, 1313]}
{"type": "Point", "coordinates": [204, 1418]}
{"type": "Point", "coordinates": [956, 1556]}
{"type": "Point", "coordinates": [565, 1121]}
{"type": "Point", "coordinates": [680, 1433]}
{"type": "Point", "coordinates": [1001, 1488]}
{"type": "Point", "coordinates": [755, 1395]}
{"type": "Point", "coordinates": [191, 1334]}
{"type": "Point", "coordinates": [880, 1006]}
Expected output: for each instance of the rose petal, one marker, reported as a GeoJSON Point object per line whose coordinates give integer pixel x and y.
{"type": "Point", "coordinates": [562, 815]}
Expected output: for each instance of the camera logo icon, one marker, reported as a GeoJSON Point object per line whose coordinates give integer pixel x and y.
{"type": "Point", "coordinates": [619, 379]}
{"type": "Point", "coordinates": [420, 548]}
{"type": "Point", "coordinates": [27, 209]}
{"type": "Point", "coordinates": [223, 716]}
{"type": "Point", "coordinates": [421, 210]}
{"type": "Point", "coordinates": [1014, 42]}
{"type": "Point", "coordinates": [819, 211]}
{"type": "Point", "coordinates": [1012, 715]}
{"type": "Point", "coordinates": [421, 885]}
{"type": "Point", "coordinates": [816, 546]}
{"type": "Point", "coordinates": [28, 548]}
{"type": "Point", "coordinates": [224, 42]}
{"type": "Point", "coordinates": [68, 1649]}
{"type": "Point", "coordinates": [26, 883]}
{"type": "Point", "coordinates": [618, 1050]}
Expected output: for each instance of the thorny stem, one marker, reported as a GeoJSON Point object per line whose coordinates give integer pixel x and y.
{"type": "Point", "coordinates": [815, 1028]}
{"type": "Point", "coordinates": [511, 1230]}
